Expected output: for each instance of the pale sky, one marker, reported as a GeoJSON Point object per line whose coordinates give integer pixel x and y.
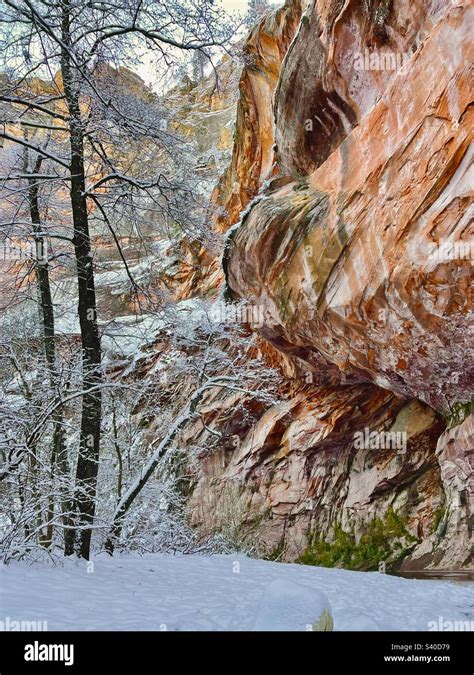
{"type": "Point", "coordinates": [241, 5]}
{"type": "Point", "coordinates": [235, 5]}
{"type": "Point", "coordinates": [147, 70]}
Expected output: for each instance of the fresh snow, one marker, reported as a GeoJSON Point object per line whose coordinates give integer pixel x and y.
{"type": "Point", "coordinates": [286, 605]}
{"type": "Point", "coordinates": [221, 592]}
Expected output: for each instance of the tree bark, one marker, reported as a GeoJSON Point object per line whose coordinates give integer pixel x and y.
{"type": "Point", "coordinates": [79, 540]}
{"type": "Point", "coordinates": [58, 451]}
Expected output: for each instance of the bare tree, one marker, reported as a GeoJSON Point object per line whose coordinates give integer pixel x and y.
{"type": "Point", "coordinates": [67, 44]}
{"type": "Point", "coordinates": [211, 353]}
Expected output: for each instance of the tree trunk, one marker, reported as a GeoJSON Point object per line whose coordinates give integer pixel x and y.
{"type": "Point", "coordinates": [58, 450]}
{"type": "Point", "coordinates": [79, 540]}
{"type": "Point", "coordinates": [139, 483]}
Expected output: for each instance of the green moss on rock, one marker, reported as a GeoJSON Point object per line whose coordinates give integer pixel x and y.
{"type": "Point", "coordinates": [459, 412]}
{"type": "Point", "coordinates": [385, 539]}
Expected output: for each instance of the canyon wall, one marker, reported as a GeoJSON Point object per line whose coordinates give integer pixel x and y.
{"type": "Point", "coordinates": [253, 151]}
{"type": "Point", "coordinates": [355, 242]}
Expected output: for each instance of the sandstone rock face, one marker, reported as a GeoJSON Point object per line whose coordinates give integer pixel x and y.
{"type": "Point", "coordinates": [297, 470]}
{"type": "Point", "coordinates": [325, 88]}
{"type": "Point", "coordinates": [359, 255]}
{"type": "Point", "coordinates": [452, 540]}
{"type": "Point", "coordinates": [253, 155]}
{"type": "Point", "coordinates": [347, 261]}
{"type": "Point", "coordinates": [205, 111]}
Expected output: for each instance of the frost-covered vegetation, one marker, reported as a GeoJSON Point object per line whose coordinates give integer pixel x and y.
{"type": "Point", "coordinates": [104, 195]}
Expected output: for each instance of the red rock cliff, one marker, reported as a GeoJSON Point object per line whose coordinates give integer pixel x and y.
{"type": "Point", "coordinates": [359, 251]}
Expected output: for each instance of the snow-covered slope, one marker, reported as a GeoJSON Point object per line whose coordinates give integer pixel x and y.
{"type": "Point", "coordinates": [224, 592]}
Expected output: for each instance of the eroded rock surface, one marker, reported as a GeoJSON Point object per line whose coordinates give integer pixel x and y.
{"type": "Point", "coordinates": [359, 255]}
{"type": "Point", "coordinates": [347, 261]}
{"type": "Point", "coordinates": [296, 471]}
{"type": "Point", "coordinates": [253, 153]}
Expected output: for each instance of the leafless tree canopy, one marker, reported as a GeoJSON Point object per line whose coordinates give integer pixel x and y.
{"type": "Point", "coordinates": [93, 157]}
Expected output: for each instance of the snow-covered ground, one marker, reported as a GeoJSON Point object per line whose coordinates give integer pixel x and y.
{"type": "Point", "coordinates": [222, 592]}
